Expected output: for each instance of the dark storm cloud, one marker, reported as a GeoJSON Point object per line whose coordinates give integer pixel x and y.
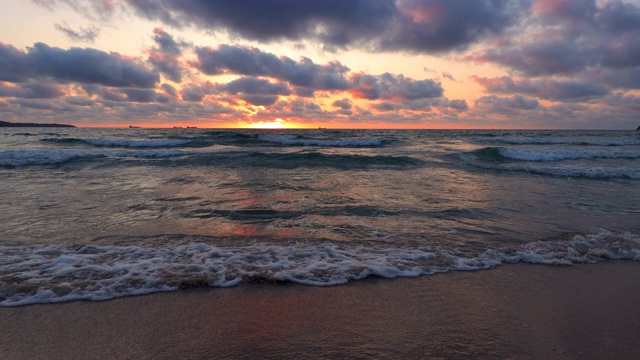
{"type": "Point", "coordinates": [381, 25]}
{"type": "Point", "coordinates": [389, 86]}
{"type": "Point", "coordinates": [88, 34]}
{"type": "Point", "coordinates": [254, 62]}
{"type": "Point", "coordinates": [545, 89]}
{"type": "Point", "coordinates": [82, 65]}
{"type": "Point", "coordinates": [31, 90]}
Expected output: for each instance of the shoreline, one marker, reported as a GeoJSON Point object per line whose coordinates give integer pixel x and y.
{"type": "Point", "coordinates": [513, 311]}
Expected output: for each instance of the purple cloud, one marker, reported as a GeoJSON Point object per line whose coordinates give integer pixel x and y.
{"type": "Point", "coordinates": [81, 65]}
{"type": "Point", "coordinates": [544, 88]}
{"type": "Point", "coordinates": [254, 62]}
{"type": "Point", "coordinates": [31, 90]}
{"type": "Point", "coordinates": [389, 86]}
{"type": "Point", "coordinates": [381, 25]}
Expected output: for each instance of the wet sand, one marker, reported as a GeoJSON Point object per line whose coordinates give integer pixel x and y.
{"type": "Point", "coordinates": [514, 311]}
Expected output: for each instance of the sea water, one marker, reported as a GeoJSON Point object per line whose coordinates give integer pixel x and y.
{"type": "Point", "coordinates": [102, 213]}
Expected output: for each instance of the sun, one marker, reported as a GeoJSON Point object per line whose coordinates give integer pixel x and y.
{"type": "Point", "coordinates": [275, 124]}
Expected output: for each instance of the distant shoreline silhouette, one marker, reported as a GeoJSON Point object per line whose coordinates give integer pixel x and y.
{"type": "Point", "coordinates": [10, 124]}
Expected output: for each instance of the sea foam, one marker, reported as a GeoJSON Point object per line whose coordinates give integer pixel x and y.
{"type": "Point", "coordinates": [57, 273]}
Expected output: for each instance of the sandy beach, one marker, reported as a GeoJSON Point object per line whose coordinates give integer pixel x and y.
{"type": "Point", "coordinates": [514, 311]}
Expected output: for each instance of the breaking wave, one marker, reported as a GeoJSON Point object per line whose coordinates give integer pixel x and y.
{"type": "Point", "coordinates": [569, 142]}
{"type": "Point", "coordinates": [57, 273]}
{"type": "Point", "coordinates": [501, 154]}
{"type": "Point", "coordinates": [295, 140]}
{"type": "Point", "coordinates": [121, 143]}
{"type": "Point", "coordinates": [18, 158]}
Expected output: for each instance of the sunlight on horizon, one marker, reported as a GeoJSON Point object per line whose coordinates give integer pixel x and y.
{"type": "Point", "coordinates": [278, 123]}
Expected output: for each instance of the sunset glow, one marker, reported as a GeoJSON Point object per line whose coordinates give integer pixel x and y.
{"type": "Point", "coordinates": [382, 64]}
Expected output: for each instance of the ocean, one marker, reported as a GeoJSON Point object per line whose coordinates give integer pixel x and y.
{"type": "Point", "coordinates": [96, 214]}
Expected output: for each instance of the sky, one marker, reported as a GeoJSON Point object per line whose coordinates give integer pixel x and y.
{"type": "Point", "coordinates": [455, 64]}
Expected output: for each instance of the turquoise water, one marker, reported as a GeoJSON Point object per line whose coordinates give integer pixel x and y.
{"type": "Point", "coordinates": [103, 213]}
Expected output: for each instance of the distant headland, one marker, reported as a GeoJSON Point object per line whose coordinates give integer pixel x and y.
{"type": "Point", "coordinates": [9, 124]}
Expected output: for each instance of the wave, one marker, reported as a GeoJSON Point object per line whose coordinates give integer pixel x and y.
{"type": "Point", "coordinates": [58, 273]}
{"type": "Point", "coordinates": [580, 171]}
{"type": "Point", "coordinates": [120, 143]}
{"type": "Point", "coordinates": [295, 140]}
{"type": "Point", "coordinates": [501, 154]}
{"type": "Point", "coordinates": [569, 142]}
{"type": "Point", "coordinates": [18, 158]}
{"type": "Point", "coordinates": [309, 159]}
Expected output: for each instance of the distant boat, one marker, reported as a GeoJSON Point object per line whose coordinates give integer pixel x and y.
{"type": "Point", "coordinates": [177, 127]}
{"type": "Point", "coordinates": [134, 127]}
{"type": "Point", "coordinates": [192, 127]}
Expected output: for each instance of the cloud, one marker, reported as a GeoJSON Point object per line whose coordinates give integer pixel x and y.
{"type": "Point", "coordinates": [458, 104]}
{"type": "Point", "coordinates": [571, 37]}
{"type": "Point", "coordinates": [166, 43]}
{"type": "Point", "coordinates": [95, 10]}
{"type": "Point", "coordinates": [251, 61]}
{"type": "Point", "coordinates": [264, 100]}
{"type": "Point", "coordinates": [192, 92]}
{"type": "Point", "coordinates": [335, 22]}
{"type": "Point", "coordinates": [425, 26]}
{"type": "Point", "coordinates": [167, 64]}
{"type": "Point", "coordinates": [31, 90]}
{"type": "Point", "coordinates": [79, 101]}
{"type": "Point", "coordinates": [506, 104]}
{"type": "Point", "coordinates": [444, 25]}
{"type": "Point", "coordinates": [141, 95]}
{"type": "Point", "coordinates": [545, 89]}
{"type": "Point", "coordinates": [389, 86]}
{"type": "Point", "coordinates": [133, 95]}
{"type": "Point", "coordinates": [81, 65]}
{"type": "Point", "coordinates": [344, 104]}
{"type": "Point", "coordinates": [165, 56]}
{"type": "Point", "coordinates": [88, 34]}
{"type": "Point", "coordinates": [251, 85]}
